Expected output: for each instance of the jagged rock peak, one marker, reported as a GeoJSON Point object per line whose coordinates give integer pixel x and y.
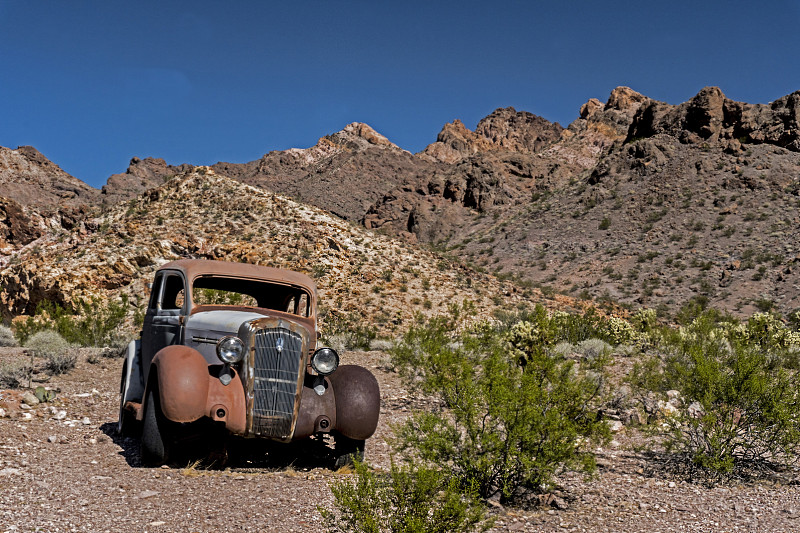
{"type": "Point", "coordinates": [505, 129]}
{"type": "Point", "coordinates": [141, 174]}
{"type": "Point", "coordinates": [591, 107]}
{"type": "Point", "coordinates": [358, 136]}
{"type": "Point", "coordinates": [518, 131]}
{"type": "Point", "coordinates": [30, 178]}
{"type": "Point", "coordinates": [625, 99]}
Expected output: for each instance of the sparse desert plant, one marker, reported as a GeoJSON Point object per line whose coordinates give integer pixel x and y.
{"type": "Point", "coordinates": [346, 331]}
{"type": "Point", "coordinates": [514, 415]}
{"type": "Point", "coordinates": [12, 375]}
{"type": "Point", "coordinates": [46, 343]}
{"type": "Point", "coordinates": [409, 499]}
{"type": "Point", "coordinates": [564, 349]}
{"type": "Point", "coordinates": [57, 353]}
{"type": "Point", "coordinates": [7, 337]}
{"type": "Point", "coordinates": [594, 348]}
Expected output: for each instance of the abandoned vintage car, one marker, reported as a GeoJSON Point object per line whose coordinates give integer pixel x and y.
{"type": "Point", "coordinates": [233, 347]}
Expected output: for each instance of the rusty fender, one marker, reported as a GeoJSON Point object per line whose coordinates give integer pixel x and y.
{"type": "Point", "coordinates": [189, 391]}
{"type": "Point", "coordinates": [358, 401]}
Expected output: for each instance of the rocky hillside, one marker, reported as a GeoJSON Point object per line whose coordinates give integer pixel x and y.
{"type": "Point", "coordinates": [201, 214]}
{"type": "Point", "coordinates": [37, 196]}
{"type": "Point", "coordinates": [29, 178]}
{"type": "Point", "coordinates": [636, 201]}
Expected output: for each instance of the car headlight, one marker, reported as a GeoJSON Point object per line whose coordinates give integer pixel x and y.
{"type": "Point", "coordinates": [230, 349]}
{"type": "Point", "coordinates": [324, 361]}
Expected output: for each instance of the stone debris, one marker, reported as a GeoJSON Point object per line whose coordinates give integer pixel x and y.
{"type": "Point", "coordinates": [30, 399]}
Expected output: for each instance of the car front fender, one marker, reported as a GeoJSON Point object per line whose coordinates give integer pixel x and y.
{"type": "Point", "coordinates": [182, 375]}
{"type": "Point", "coordinates": [358, 401]}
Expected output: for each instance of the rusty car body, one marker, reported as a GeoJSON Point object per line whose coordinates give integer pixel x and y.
{"type": "Point", "coordinates": [233, 346]}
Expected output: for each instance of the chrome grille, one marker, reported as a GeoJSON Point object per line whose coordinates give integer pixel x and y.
{"type": "Point", "coordinates": [278, 355]}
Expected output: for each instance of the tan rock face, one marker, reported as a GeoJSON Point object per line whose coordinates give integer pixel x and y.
{"type": "Point", "coordinates": [590, 108]}
{"type": "Point", "coordinates": [625, 99]}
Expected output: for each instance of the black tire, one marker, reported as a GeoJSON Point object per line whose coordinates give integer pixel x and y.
{"type": "Point", "coordinates": [155, 435]}
{"type": "Point", "coordinates": [127, 425]}
{"type": "Point", "coordinates": [347, 450]}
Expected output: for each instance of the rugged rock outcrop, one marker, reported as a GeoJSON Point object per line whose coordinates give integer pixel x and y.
{"type": "Point", "coordinates": [31, 179]}
{"type": "Point", "coordinates": [17, 228]}
{"type": "Point", "coordinates": [710, 116]}
{"type": "Point", "coordinates": [505, 129]}
{"type": "Point", "coordinates": [142, 174]}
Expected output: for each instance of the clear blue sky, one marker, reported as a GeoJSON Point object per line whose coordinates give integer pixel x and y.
{"type": "Point", "coordinates": [92, 84]}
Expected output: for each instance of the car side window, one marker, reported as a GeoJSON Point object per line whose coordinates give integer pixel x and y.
{"type": "Point", "coordinates": [174, 293]}
{"type": "Point", "coordinates": [154, 293]}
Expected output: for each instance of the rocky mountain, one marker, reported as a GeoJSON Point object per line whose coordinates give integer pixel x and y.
{"type": "Point", "coordinates": [636, 201]}
{"type": "Point", "coordinates": [201, 214]}
{"type": "Point", "coordinates": [142, 174]}
{"type": "Point", "coordinates": [36, 195]}
{"type": "Point", "coordinates": [29, 178]}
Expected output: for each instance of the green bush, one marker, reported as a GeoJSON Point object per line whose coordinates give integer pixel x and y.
{"type": "Point", "coordinates": [7, 337]}
{"type": "Point", "coordinates": [744, 403]}
{"type": "Point", "coordinates": [88, 323]}
{"type": "Point", "coordinates": [514, 414]}
{"type": "Point", "coordinates": [410, 499]}
{"type": "Point", "coordinates": [58, 353]}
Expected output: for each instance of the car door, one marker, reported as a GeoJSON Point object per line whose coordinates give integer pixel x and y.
{"type": "Point", "coordinates": [163, 321]}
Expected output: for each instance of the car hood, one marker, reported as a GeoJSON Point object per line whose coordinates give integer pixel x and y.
{"type": "Point", "coordinates": [218, 323]}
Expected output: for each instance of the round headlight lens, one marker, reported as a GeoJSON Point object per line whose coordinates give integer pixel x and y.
{"type": "Point", "coordinates": [324, 361]}
{"type": "Point", "coordinates": [230, 349]}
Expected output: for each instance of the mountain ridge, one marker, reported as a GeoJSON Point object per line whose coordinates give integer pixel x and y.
{"type": "Point", "coordinates": [636, 200]}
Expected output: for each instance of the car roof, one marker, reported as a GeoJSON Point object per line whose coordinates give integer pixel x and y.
{"type": "Point", "coordinates": [193, 268]}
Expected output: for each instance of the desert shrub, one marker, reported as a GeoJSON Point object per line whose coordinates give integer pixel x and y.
{"type": "Point", "coordinates": [745, 403]}
{"type": "Point", "coordinates": [347, 331]}
{"type": "Point", "coordinates": [564, 349]}
{"type": "Point", "coordinates": [12, 375]}
{"type": "Point", "coordinates": [560, 326]}
{"type": "Point", "coordinates": [57, 353]}
{"type": "Point", "coordinates": [61, 363]}
{"type": "Point", "coordinates": [46, 343]}
{"type": "Point", "coordinates": [594, 348]}
{"type": "Point", "coordinates": [88, 322]}
{"type": "Point", "coordinates": [7, 337]}
{"type": "Point", "coordinates": [513, 416]}
{"type": "Point", "coordinates": [412, 499]}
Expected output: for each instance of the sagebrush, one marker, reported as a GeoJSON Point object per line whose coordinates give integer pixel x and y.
{"type": "Point", "coordinates": [59, 355]}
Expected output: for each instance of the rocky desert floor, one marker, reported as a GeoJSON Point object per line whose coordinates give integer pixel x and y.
{"type": "Point", "coordinates": [63, 468]}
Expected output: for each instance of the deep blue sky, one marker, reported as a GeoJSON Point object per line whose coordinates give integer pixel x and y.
{"type": "Point", "coordinates": [92, 84]}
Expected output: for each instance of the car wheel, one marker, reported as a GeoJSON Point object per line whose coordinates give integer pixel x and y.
{"type": "Point", "coordinates": [127, 425]}
{"type": "Point", "coordinates": [155, 434]}
{"type": "Point", "coordinates": [347, 450]}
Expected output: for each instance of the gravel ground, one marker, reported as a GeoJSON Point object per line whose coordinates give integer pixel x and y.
{"type": "Point", "coordinates": [65, 469]}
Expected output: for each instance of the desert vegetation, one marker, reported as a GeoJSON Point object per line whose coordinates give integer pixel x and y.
{"type": "Point", "coordinates": [516, 401]}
